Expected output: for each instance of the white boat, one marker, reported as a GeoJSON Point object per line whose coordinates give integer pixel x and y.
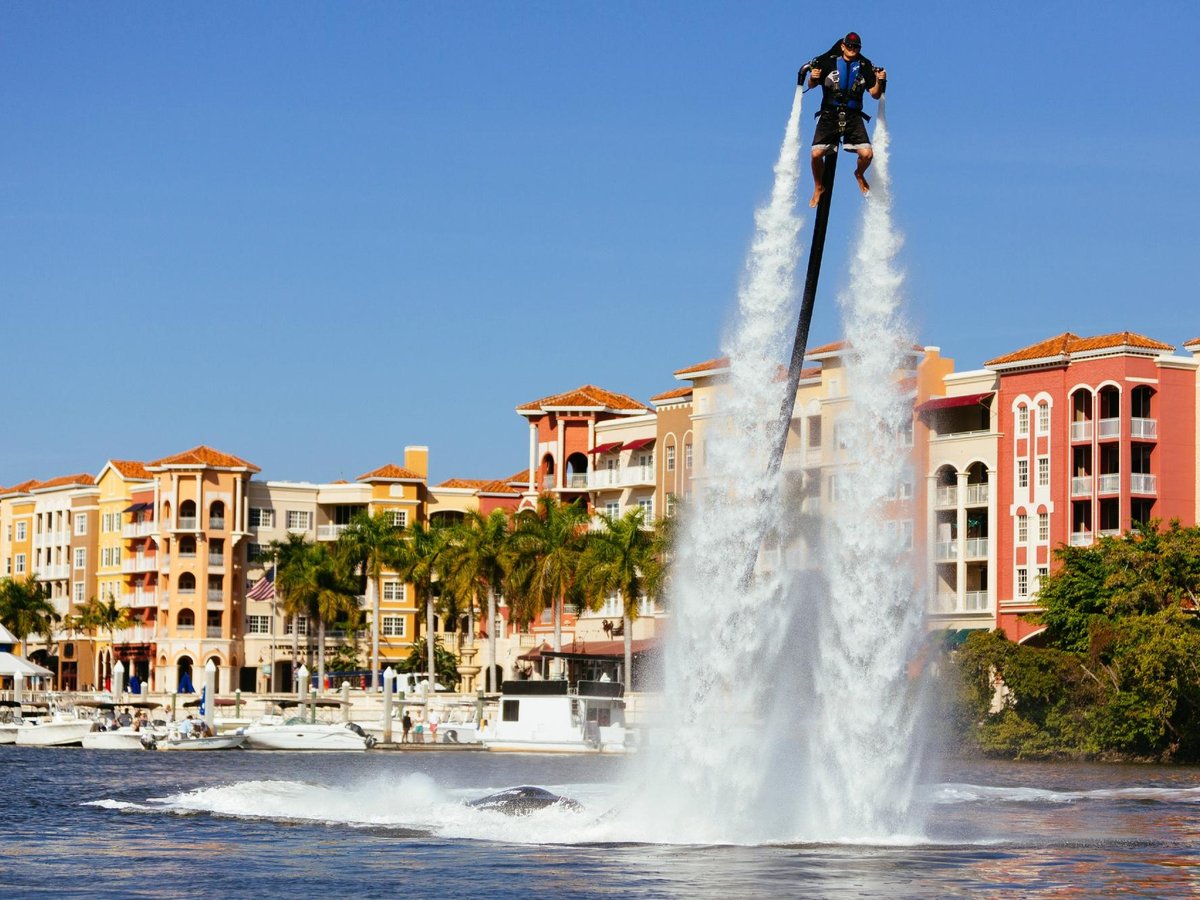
{"type": "Point", "coordinates": [61, 729]}
{"type": "Point", "coordinates": [178, 741]}
{"type": "Point", "coordinates": [109, 736]}
{"type": "Point", "coordinates": [277, 733]}
{"type": "Point", "coordinates": [549, 717]}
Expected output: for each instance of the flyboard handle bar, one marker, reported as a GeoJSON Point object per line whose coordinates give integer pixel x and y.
{"type": "Point", "coordinates": [802, 77]}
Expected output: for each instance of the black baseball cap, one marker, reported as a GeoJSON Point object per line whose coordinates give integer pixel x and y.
{"type": "Point", "coordinates": [852, 40]}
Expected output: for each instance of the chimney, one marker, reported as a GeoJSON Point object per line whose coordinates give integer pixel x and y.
{"type": "Point", "coordinates": [416, 459]}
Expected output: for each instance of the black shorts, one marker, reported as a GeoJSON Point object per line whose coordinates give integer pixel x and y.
{"type": "Point", "coordinates": [830, 128]}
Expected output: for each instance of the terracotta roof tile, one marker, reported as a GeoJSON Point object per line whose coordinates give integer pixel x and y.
{"type": "Point", "coordinates": [205, 456]}
{"type": "Point", "coordinates": [827, 348]}
{"type": "Point", "coordinates": [672, 395]}
{"type": "Point", "coordinates": [521, 477]}
{"type": "Point", "coordinates": [1192, 342]}
{"type": "Point", "coordinates": [588, 397]}
{"type": "Point", "coordinates": [22, 488]}
{"type": "Point", "coordinates": [129, 468]}
{"type": "Point", "coordinates": [63, 481]}
{"type": "Point", "coordinates": [1065, 344]}
{"type": "Point", "coordinates": [721, 362]}
{"type": "Point", "coordinates": [390, 472]}
{"type": "Point", "coordinates": [484, 486]}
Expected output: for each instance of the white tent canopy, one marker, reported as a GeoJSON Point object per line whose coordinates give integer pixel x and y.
{"type": "Point", "coordinates": [10, 665]}
{"type": "Point", "coordinates": [6, 636]}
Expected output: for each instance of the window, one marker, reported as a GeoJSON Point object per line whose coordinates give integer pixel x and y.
{"type": "Point", "coordinates": [21, 530]}
{"type": "Point", "coordinates": [687, 455]}
{"type": "Point", "coordinates": [258, 624]}
{"type": "Point", "coordinates": [670, 505]}
{"type": "Point", "coordinates": [77, 591]}
{"type": "Point", "coordinates": [1043, 574]}
{"type": "Point", "coordinates": [1022, 473]}
{"type": "Point", "coordinates": [262, 518]}
{"type": "Point", "coordinates": [254, 552]}
{"type": "Point", "coordinates": [1043, 528]}
{"type": "Point", "coordinates": [393, 626]}
{"type": "Point", "coordinates": [1022, 420]}
{"type": "Point", "coordinates": [298, 519]}
{"type": "Point", "coordinates": [1022, 528]}
{"type": "Point", "coordinates": [906, 433]}
{"type": "Point", "coordinates": [1043, 418]}
{"type": "Point", "coordinates": [80, 557]}
{"type": "Point", "coordinates": [301, 626]}
{"type": "Point", "coordinates": [1022, 582]}
{"type": "Point", "coordinates": [840, 436]}
{"type": "Point", "coordinates": [81, 523]}
{"type": "Point", "coordinates": [611, 606]}
{"type": "Point", "coordinates": [646, 504]}
{"type": "Point", "coordinates": [19, 564]}
{"type": "Point", "coordinates": [398, 518]}
{"type": "Point", "coordinates": [671, 458]}
{"type": "Point", "coordinates": [1043, 471]}
{"type": "Point", "coordinates": [394, 590]}
{"type": "Point", "coordinates": [612, 509]}
{"type": "Point", "coordinates": [814, 432]}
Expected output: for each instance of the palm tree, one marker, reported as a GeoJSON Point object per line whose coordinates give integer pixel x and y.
{"type": "Point", "coordinates": [289, 555]}
{"type": "Point", "coordinates": [372, 542]}
{"type": "Point", "coordinates": [622, 558]}
{"type": "Point", "coordinates": [547, 544]}
{"type": "Point", "coordinates": [419, 562]}
{"type": "Point", "coordinates": [477, 565]}
{"type": "Point", "coordinates": [25, 609]}
{"type": "Point", "coordinates": [103, 616]}
{"type": "Point", "coordinates": [319, 583]}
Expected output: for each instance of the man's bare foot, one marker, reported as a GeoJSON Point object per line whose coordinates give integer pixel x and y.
{"type": "Point", "coordinates": [862, 184]}
{"type": "Point", "coordinates": [816, 197]}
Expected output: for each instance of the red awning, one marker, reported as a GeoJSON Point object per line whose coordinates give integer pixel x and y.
{"type": "Point", "coordinates": [952, 402]}
{"type": "Point", "coordinates": [639, 444]}
{"type": "Point", "coordinates": [536, 653]}
{"type": "Point", "coordinates": [607, 448]}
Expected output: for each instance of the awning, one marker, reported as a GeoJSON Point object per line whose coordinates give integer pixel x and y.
{"type": "Point", "coordinates": [579, 650]}
{"type": "Point", "coordinates": [953, 402]}
{"type": "Point", "coordinates": [639, 444]}
{"type": "Point", "coordinates": [607, 448]}
{"type": "Point", "coordinates": [536, 653]}
{"type": "Point", "coordinates": [10, 665]}
{"type": "Point", "coordinates": [137, 507]}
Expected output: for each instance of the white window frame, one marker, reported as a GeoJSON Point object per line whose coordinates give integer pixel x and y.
{"type": "Point", "coordinates": [1043, 418]}
{"type": "Point", "coordinates": [300, 515]}
{"type": "Point", "coordinates": [1022, 582]}
{"type": "Point", "coordinates": [80, 523]}
{"type": "Point", "coordinates": [1043, 466]}
{"type": "Point", "coordinates": [19, 564]}
{"type": "Point", "coordinates": [265, 516]}
{"type": "Point", "coordinates": [398, 518]}
{"type": "Point", "coordinates": [1022, 420]}
{"type": "Point", "coordinates": [79, 558]}
{"type": "Point", "coordinates": [1043, 528]}
{"type": "Point", "coordinates": [1022, 473]}
{"type": "Point", "coordinates": [670, 457]}
{"type": "Point", "coordinates": [22, 531]}
{"type": "Point", "coordinates": [612, 508]}
{"type": "Point", "coordinates": [687, 456]}
{"type": "Point", "coordinates": [646, 504]}
{"type": "Point", "coordinates": [394, 591]}
{"type": "Point", "coordinates": [77, 592]}
{"type": "Point", "coordinates": [393, 626]}
{"type": "Point", "coordinates": [1022, 528]}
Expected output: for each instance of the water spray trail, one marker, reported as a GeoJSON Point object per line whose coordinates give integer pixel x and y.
{"type": "Point", "coordinates": [708, 776]}
{"type": "Point", "coordinates": [863, 733]}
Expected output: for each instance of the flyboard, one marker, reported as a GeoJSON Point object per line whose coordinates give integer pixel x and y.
{"type": "Point", "coordinates": [807, 301]}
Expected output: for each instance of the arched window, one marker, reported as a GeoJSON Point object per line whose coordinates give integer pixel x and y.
{"type": "Point", "coordinates": [187, 514]}
{"type": "Point", "coordinates": [186, 583]}
{"type": "Point", "coordinates": [216, 516]}
{"type": "Point", "coordinates": [186, 620]}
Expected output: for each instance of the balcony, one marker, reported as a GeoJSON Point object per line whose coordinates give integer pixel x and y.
{"type": "Point", "coordinates": [140, 599]}
{"type": "Point", "coordinates": [216, 560]}
{"type": "Point", "coordinates": [1109, 484]}
{"type": "Point", "coordinates": [187, 523]}
{"type": "Point", "coordinates": [213, 631]}
{"type": "Point", "coordinates": [1081, 486]}
{"type": "Point", "coordinates": [945, 602]}
{"type": "Point", "coordinates": [977, 494]}
{"type": "Point", "coordinates": [216, 523]}
{"type": "Point", "coordinates": [137, 634]}
{"type": "Point", "coordinates": [1109, 428]}
{"type": "Point", "coordinates": [186, 593]}
{"type": "Point", "coordinates": [187, 554]}
{"type": "Point", "coordinates": [576, 481]}
{"type": "Point", "coordinates": [976, 601]}
{"type": "Point", "coordinates": [1081, 539]}
{"type": "Point", "coordinates": [628, 476]}
{"type": "Point", "coordinates": [51, 538]}
{"type": "Point", "coordinates": [1141, 483]}
{"type": "Point", "coordinates": [1081, 431]}
{"type": "Point", "coordinates": [976, 547]}
{"type": "Point", "coordinates": [216, 595]}
{"type": "Point", "coordinates": [140, 563]}
{"type": "Point", "coordinates": [946, 550]}
{"type": "Point", "coordinates": [1143, 428]}
{"type": "Point", "coordinates": [52, 573]}
{"type": "Point", "coordinates": [947, 495]}
{"type": "Point", "coordinates": [139, 529]}
{"type": "Point", "coordinates": [330, 532]}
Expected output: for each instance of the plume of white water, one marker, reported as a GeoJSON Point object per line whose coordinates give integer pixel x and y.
{"type": "Point", "coordinates": [787, 711]}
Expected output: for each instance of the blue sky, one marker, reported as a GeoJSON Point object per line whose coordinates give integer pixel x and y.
{"type": "Point", "coordinates": [312, 233]}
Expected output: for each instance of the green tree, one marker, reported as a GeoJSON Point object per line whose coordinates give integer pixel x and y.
{"type": "Point", "coordinates": [102, 616]}
{"type": "Point", "coordinates": [419, 562]}
{"type": "Point", "coordinates": [622, 558]}
{"type": "Point", "coordinates": [547, 544]}
{"type": "Point", "coordinates": [476, 565]}
{"type": "Point", "coordinates": [373, 543]}
{"type": "Point", "coordinates": [321, 583]}
{"type": "Point", "coordinates": [288, 557]}
{"type": "Point", "coordinates": [445, 662]}
{"type": "Point", "coordinates": [25, 609]}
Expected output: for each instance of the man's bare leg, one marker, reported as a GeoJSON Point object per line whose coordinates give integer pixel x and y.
{"type": "Point", "coordinates": [818, 170]}
{"type": "Point", "coordinates": [864, 161]}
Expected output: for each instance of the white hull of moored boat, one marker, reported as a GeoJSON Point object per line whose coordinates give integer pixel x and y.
{"type": "Point", "coordinates": [121, 739]}
{"type": "Point", "coordinates": [54, 733]}
{"type": "Point", "coordinates": [220, 742]}
{"type": "Point", "coordinates": [304, 736]}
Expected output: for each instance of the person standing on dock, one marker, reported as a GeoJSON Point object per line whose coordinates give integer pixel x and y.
{"type": "Point", "coordinates": [406, 724]}
{"type": "Point", "coordinates": [844, 74]}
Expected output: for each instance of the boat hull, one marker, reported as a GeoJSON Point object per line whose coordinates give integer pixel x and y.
{"type": "Point", "coordinates": [54, 734]}
{"type": "Point", "coordinates": [220, 742]}
{"type": "Point", "coordinates": [303, 737]}
{"type": "Point", "coordinates": [116, 740]}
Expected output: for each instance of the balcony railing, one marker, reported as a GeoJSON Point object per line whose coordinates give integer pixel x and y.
{"type": "Point", "coordinates": [187, 523]}
{"type": "Point", "coordinates": [216, 595]}
{"type": "Point", "coordinates": [187, 554]}
{"type": "Point", "coordinates": [216, 559]}
{"type": "Point", "coordinates": [1141, 483]}
{"type": "Point", "coordinates": [52, 573]}
{"type": "Point", "coordinates": [1081, 539]}
{"type": "Point", "coordinates": [140, 599]}
{"type": "Point", "coordinates": [139, 529]}
{"type": "Point", "coordinates": [140, 563]}
{"type": "Point", "coordinates": [628, 475]}
{"type": "Point", "coordinates": [945, 602]}
{"type": "Point", "coordinates": [1081, 486]}
{"type": "Point", "coordinates": [213, 631]}
{"type": "Point", "coordinates": [51, 538]}
{"type": "Point", "coordinates": [976, 601]}
{"type": "Point", "coordinates": [577, 481]}
{"type": "Point", "coordinates": [1109, 428]}
{"type": "Point", "coordinates": [947, 495]}
{"type": "Point", "coordinates": [1143, 428]}
{"type": "Point", "coordinates": [947, 550]}
{"type": "Point", "coordinates": [976, 547]}
{"type": "Point", "coordinates": [330, 532]}
{"type": "Point", "coordinates": [1081, 431]}
{"type": "Point", "coordinates": [1109, 484]}
{"type": "Point", "coordinates": [216, 523]}
{"type": "Point", "coordinates": [188, 592]}
{"type": "Point", "coordinates": [977, 494]}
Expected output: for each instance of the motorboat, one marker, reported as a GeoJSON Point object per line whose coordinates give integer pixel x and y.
{"type": "Point", "coordinates": [114, 736]}
{"type": "Point", "coordinates": [280, 732]}
{"type": "Point", "coordinates": [552, 717]}
{"type": "Point", "coordinates": [11, 721]}
{"type": "Point", "coordinates": [60, 729]}
{"type": "Point", "coordinates": [193, 741]}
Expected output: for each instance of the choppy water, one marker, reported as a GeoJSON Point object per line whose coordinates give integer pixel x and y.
{"type": "Point", "coordinates": [96, 823]}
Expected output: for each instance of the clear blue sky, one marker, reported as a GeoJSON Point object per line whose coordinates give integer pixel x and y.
{"type": "Point", "coordinates": [312, 233]}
